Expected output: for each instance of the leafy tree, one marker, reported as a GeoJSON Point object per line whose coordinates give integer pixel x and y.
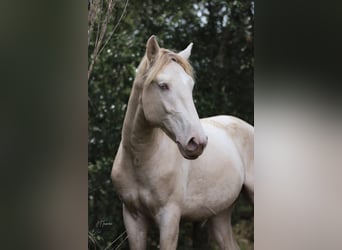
{"type": "Point", "coordinates": [223, 60]}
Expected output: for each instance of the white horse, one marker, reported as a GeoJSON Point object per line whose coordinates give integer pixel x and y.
{"type": "Point", "coordinates": [170, 164]}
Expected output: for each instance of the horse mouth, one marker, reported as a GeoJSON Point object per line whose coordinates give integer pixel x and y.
{"type": "Point", "coordinates": [186, 154]}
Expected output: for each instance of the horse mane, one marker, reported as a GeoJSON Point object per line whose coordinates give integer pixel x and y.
{"type": "Point", "coordinates": [147, 71]}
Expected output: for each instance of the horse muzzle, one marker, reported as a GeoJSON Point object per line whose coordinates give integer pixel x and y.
{"type": "Point", "coordinates": [193, 148]}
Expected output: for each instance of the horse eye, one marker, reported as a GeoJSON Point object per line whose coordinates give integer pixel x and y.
{"type": "Point", "coordinates": [163, 86]}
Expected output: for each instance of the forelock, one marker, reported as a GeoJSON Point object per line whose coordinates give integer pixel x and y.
{"type": "Point", "coordinates": [148, 72]}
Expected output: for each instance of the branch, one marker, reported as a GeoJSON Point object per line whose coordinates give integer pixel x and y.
{"type": "Point", "coordinates": [117, 24]}
{"type": "Point", "coordinates": [95, 15]}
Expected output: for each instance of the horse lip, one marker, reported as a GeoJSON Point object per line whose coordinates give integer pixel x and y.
{"type": "Point", "coordinates": [191, 157]}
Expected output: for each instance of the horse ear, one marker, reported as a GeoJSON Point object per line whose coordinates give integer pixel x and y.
{"type": "Point", "coordinates": [152, 48]}
{"type": "Point", "coordinates": [187, 52]}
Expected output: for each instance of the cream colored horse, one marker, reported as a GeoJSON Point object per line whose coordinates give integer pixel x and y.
{"type": "Point", "coordinates": [172, 165]}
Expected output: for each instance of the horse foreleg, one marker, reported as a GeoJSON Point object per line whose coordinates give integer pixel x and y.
{"type": "Point", "coordinates": [221, 230]}
{"type": "Point", "coordinates": [136, 227]}
{"type": "Point", "coordinates": [169, 227]}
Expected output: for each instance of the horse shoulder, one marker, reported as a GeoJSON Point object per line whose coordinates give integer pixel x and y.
{"type": "Point", "coordinates": [117, 168]}
{"type": "Point", "coordinates": [123, 180]}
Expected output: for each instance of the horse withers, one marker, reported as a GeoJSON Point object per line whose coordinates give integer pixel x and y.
{"type": "Point", "coordinates": [170, 164]}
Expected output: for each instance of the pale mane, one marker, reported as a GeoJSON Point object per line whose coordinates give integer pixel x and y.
{"type": "Point", "coordinates": [147, 72]}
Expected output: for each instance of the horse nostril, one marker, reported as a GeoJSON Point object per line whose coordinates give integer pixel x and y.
{"type": "Point", "coordinates": [192, 145]}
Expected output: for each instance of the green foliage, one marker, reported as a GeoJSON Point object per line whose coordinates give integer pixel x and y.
{"type": "Point", "coordinates": [222, 57]}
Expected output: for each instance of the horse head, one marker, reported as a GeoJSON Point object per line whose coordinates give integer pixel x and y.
{"type": "Point", "coordinates": [167, 100]}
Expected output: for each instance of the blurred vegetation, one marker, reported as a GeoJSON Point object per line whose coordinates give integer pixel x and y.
{"type": "Point", "coordinates": [223, 60]}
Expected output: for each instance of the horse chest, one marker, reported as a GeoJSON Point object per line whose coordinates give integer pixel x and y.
{"type": "Point", "coordinates": [142, 194]}
{"type": "Point", "coordinates": [142, 200]}
{"type": "Point", "coordinates": [144, 188]}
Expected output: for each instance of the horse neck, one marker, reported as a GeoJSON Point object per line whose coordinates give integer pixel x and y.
{"type": "Point", "coordinates": [138, 136]}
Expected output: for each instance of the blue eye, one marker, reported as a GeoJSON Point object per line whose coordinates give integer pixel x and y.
{"type": "Point", "coordinates": [163, 86]}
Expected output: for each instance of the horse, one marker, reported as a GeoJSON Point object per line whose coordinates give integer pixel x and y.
{"type": "Point", "coordinates": [172, 165]}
